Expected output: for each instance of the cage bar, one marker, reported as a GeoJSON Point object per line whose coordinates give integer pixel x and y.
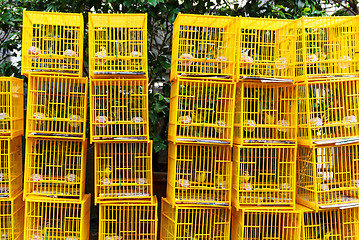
{"type": "Point", "coordinates": [266, 48]}
{"type": "Point", "coordinates": [11, 107]}
{"type": "Point", "coordinates": [327, 47]}
{"type": "Point", "coordinates": [123, 170]}
{"type": "Point", "coordinates": [12, 217]}
{"type": "Point", "coordinates": [117, 44]}
{"type": "Point", "coordinates": [259, 223]}
{"type": "Point", "coordinates": [119, 109]}
{"type": "Point", "coordinates": [10, 167]}
{"type": "Point", "coordinates": [128, 220]}
{"type": "Point", "coordinates": [52, 43]}
{"type": "Point", "coordinates": [186, 221]}
{"type": "Point", "coordinates": [201, 111]}
{"type": "Point", "coordinates": [57, 219]}
{"type": "Point", "coordinates": [328, 111]}
{"type": "Point", "coordinates": [56, 107]}
{"type": "Point", "coordinates": [264, 176]}
{"type": "Point", "coordinates": [199, 174]}
{"type": "Point", "coordinates": [329, 223]}
{"type": "Point", "coordinates": [203, 45]}
{"type": "Point", "coordinates": [55, 168]}
{"type": "Point", "coordinates": [328, 176]}
{"type": "Point", "coordinates": [265, 113]}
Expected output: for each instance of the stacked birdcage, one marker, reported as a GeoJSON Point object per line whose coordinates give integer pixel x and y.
{"type": "Point", "coordinates": [119, 126]}
{"type": "Point", "coordinates": [329, 223]}
{"type": "Point", "coordinates": [328, 98]}
{"type": "Point", "coordinates": [200, 128]}
{"type": "Point", "coordinates": [11, 132]}
{"type": "Point", "coordinates": [265, 118]}
{"type": "Point", "coordinates": [265, 131]}
{"type": "Point", "coordinates": [56, 205]}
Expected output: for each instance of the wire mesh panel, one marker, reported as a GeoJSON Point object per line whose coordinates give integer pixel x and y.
{"type": "Point", "coordinates": [11, 107]}
{"type": "Point", "coordinates": [328, 111]}
{"type": "Point", "coordinates": [183, 221]}
{"type": "Point", "coordinates": [265, 113]}
{"type": "Point", "coordinates": [326, 46]}
{"type": "Point", "coordinates": [52, 42]}
{"type": "Point", "coordinates": [12, 218]}
{"type": "Point", "coordinates": [201, 111]}
{"type": "Point", "coordinates": [10, 167]}
{"type": "Point", "coordinates": [251, 223]}
{"type": "Point", "coordinates": [56, 107]}
{"type": "Point", "coordinates": [57, 219]}
{"type": "Point", "coordinates": [264, 175]}
{"type": "Point", "coordinates": [117, 44]}
{"type": "Point", "coordinates": [328, 176]}
{"type": "Point", "coordinates": [123, 170]}
{"type": "Point", "coordinates": [266, 48]}
{"type": "Point", "coordinates": [55, 168]}
{"type": "Point", "coordinates": [330, 224]}
{"type": "Point", "coordinates": [203, 45]}
{"type": "Point", "coordinates": [119, 109]}
{"type": "Point", "coordinates": [199, 174]}
{"type": "Point", "coordinates": [128, 220]}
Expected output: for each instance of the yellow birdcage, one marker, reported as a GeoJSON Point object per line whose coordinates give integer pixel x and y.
{"type": "Point", "coordinates": [264, 176]}
{"type": "Point", "coordinates": [268, 224]}
{"type": "Point", "coordinates": [184, 221]}
{"type": "Point", "coordinates": [56, 107]}
{"type": "Point", "coordinates": [201, 111]}
{"type": "Point", "coordinates": [203, 45]}
{"type": "Point", "coordinates": [128, 220]}
{"type": "Point", "coordinates": [52, 42]}
{"type": "Point", "coordinates": [119, 109]}
{"type": "Point", "coordinates": [57, 218]}
{"type": "Point", "coordinates": [328, 176]}
{"type": "Point", "coordinates": [12, 217]}
{"type": "Point", "coordinates": [266, 48]}
{"type": "Point", "coordinates": [117, 44]}
{"type": "Point", "coordinates": [55, 168]}
{"type": "Point", "coordinates": [10, 167]}
{"type": "Point", "coordinates": [199, 174]}
{"type": "Point", "coordinates": [265, 113]}
{"type": "Point", "coordinates": [11, 107]}
{"type": "Point", "coordinates": [327, 47]}
{"type": "Point", "coordinates": [123, 170]}
{"type": "Point", "coordinates": [329, 224]}
{"type": "Point", "coordinates": [328, 111]}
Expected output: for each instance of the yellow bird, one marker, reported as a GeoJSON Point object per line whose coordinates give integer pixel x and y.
{"type": "Point", "coordinates": [329, 236]}
{"type": "Point", "coordinates": [45, 228]}
{"type": "Point", "coordinates": [187, 233]}
{"type": "Point", "coordinates": [245, 177]}
{"type": "Point", "coordinates": [221, 126]}
{"type": "Point", "coordinates": [320, 178]}
{"type": "Point", "coordinates": [220, 181]}
{"type": "Point", "coordinates": [201, 177]}
{"type": "Point", "coordinates": [269, 119]}
{"type": "Point", "coordinates": [107, 170]}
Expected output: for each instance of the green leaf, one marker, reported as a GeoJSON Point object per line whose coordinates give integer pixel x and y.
{"type": "Point", "coordinates": [166, 64]}
{"type": "Point", "coordinates": [152, 2]}
{"type": "Point", "coordinates": [158, 146]}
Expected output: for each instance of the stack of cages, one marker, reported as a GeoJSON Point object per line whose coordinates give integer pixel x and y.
{"type": "Point", "coordinates": [265, 131]}
{"type": "Point", "coordinates": [328, 97]}
{"type": "Point", "coordinates": [331, 223]}
{"type": "Point", "coordinates": [56, 205]}
{"type": "Point", "coordinates": [11, 132]}
{"type": "Point", "coordinates": [119, 126]}
{"type": "Point", "coordinates": [198, 203]}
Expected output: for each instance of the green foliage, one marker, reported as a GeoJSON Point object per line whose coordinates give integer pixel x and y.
{"type": "Point", "coordinates": [10, 36]}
